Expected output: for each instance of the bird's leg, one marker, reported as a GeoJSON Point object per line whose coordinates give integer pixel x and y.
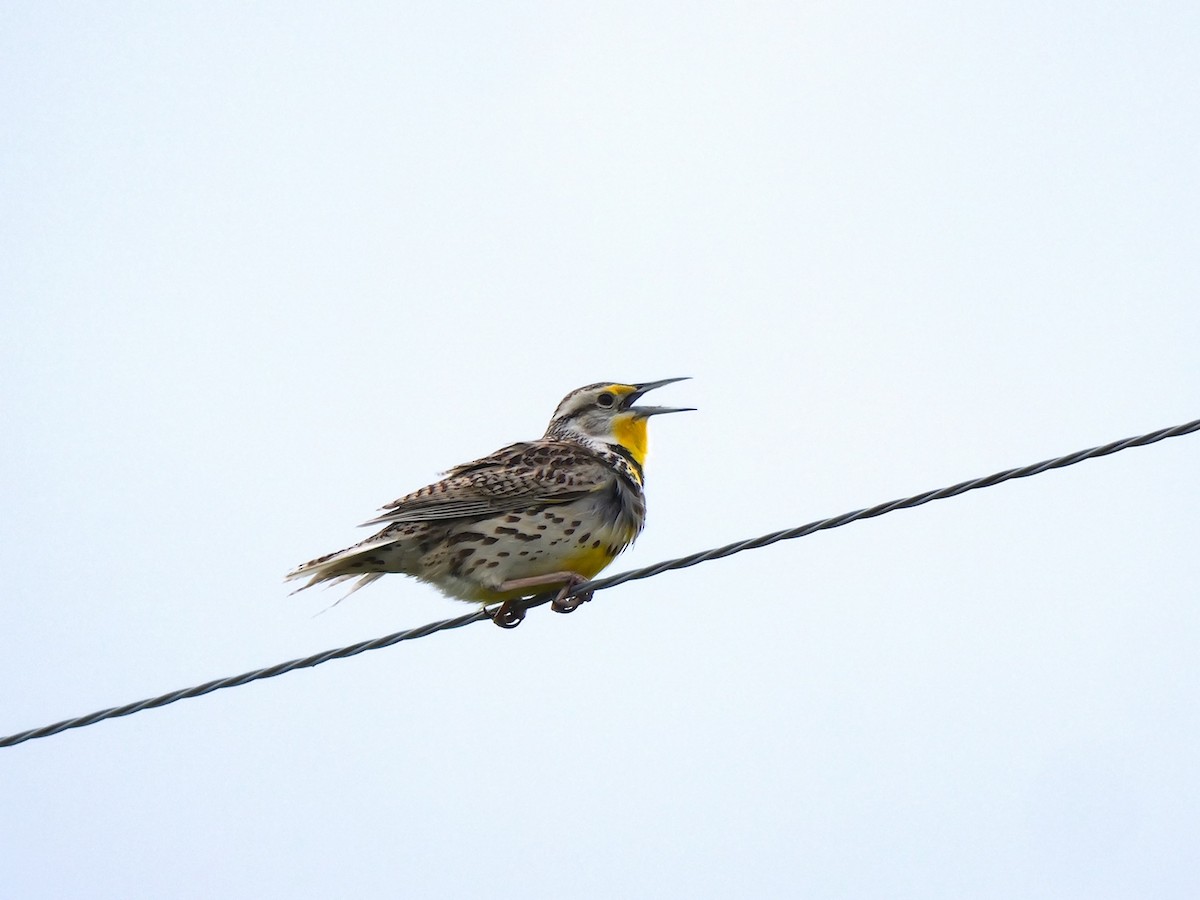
{"type": "Point", "coordinates": [568, 580]}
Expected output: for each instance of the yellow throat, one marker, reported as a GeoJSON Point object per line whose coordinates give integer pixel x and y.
{"type": "Point", "coordinates": [630, 431]}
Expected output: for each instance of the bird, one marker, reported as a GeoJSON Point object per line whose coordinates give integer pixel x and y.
{"type": "Point", "coordinates": [533, 516]}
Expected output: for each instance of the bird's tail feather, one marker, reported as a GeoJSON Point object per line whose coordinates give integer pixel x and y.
{"type": "Point", "coordinates": [357, 562]}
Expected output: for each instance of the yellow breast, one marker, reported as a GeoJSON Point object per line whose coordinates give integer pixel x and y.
{"type": "Point", "coordinates": [587, 560]}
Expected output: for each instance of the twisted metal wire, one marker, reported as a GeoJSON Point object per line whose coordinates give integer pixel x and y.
{"type": "Point", "coordinates": [235, 680]}
{"type": "Point", "coordinates": [602, 583]}
{"type": "Point", "coordinates": [880, 509]}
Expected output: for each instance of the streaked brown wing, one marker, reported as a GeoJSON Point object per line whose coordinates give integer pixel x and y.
{"type": "Point", "coordinates": [522, 475]}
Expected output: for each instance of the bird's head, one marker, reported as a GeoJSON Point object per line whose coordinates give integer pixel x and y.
{"type": "Point", "coordinates": [605, 413]}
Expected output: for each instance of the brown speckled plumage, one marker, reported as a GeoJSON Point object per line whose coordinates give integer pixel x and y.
{"type": "Point", "coordinates": [567, 503]}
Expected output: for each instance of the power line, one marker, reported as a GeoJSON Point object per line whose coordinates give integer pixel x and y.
{"type": "Point", "coordinates": [601, 583]}
{"type": "Point", "coordinates": [880, 509]}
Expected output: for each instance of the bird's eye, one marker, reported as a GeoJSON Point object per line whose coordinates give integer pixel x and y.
{"type": "Point", "coordinates": [606, 400]}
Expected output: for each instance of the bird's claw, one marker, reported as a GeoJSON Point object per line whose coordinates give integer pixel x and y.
{"type": "Point", "coordinates": [509, 614]}
{"type": "Point", "coordinates": [564, 604]}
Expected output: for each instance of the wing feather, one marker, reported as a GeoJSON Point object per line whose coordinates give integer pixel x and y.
{"type": "Point", "coordinates": [518, 476]}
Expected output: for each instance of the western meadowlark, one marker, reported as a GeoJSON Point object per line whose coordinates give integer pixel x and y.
{"type": "Point", "coordinates": [538, 514]}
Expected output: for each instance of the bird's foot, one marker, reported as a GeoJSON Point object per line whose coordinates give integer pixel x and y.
{"type": "Point", "coordinates": [564, 604]}
{"type": "Point", "coordinates": [509, 614]}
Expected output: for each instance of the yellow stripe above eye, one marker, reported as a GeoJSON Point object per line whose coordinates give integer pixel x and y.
{"type": "Point", "coordinates": [621, 390]}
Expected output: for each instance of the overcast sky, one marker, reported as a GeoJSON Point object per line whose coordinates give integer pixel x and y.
{"type": "Point", "coordinates": [265, 268]}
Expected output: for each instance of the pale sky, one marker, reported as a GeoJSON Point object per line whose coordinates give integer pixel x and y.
{"type": "Point", "coordinates": [267, 268]}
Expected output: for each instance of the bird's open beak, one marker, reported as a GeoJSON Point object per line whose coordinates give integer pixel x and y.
{"type": "Point", "coordinates": [647, 411]}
